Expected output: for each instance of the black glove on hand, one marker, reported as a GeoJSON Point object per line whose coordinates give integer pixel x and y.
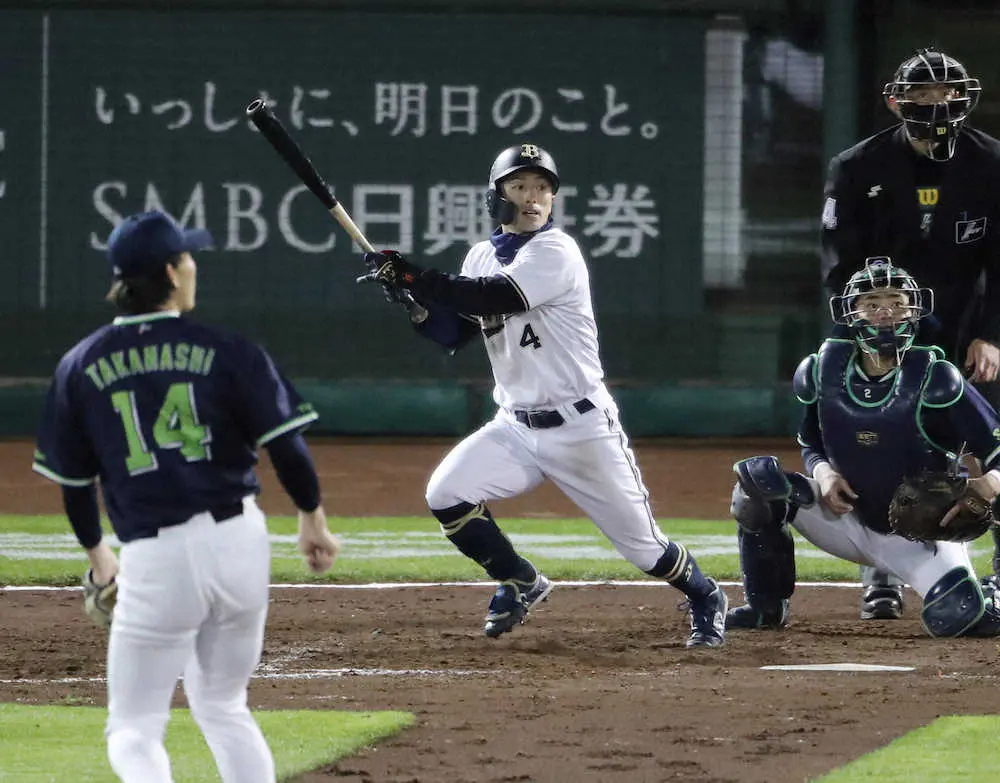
{"type": "Point", "coordinates": [374, 262]}
{"type": "Point", "coordinates": [393, 272]}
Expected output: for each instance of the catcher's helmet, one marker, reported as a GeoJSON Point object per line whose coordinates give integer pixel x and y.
{"type": "Point", "coordinates": [887, 339]}
{"type": "Point", "coordinates": [511, 160]}
{"type": "Point", "coordinates": [938, 122]}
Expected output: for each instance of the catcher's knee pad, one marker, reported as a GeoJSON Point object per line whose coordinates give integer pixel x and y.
{"type": "Point", "coordinates": [765, 494]}
{"type": "Point", "coordinates": [989, 623]}
{"type": "Point", "coordinates": [767, 559]}
{"type": "Point", "coordinates": [953, 605]}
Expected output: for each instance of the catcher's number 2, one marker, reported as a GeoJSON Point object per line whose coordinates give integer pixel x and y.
{"type": "Point", "coordinates": [176, 427]}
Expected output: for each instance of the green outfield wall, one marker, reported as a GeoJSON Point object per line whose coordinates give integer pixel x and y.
{"type": "Point", "coordinates": [691, 138]}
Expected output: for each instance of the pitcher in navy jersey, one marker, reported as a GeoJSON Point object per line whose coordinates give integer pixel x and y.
{"type": "Point", "coordinates": [167, 414]}
{"type": "Point", "coordinates": [877, 409]}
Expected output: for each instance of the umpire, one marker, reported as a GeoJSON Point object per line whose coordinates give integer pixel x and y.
{"type": "Point", "coordinates": [926, 190]}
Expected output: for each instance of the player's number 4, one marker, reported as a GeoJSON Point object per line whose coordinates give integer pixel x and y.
{"type": "Point", "coordinates": [528, 337]}
{"type": "Point", "coordinates": [176, 427]}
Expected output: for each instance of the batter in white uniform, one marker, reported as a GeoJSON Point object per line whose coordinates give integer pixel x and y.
{"type": "Point", "coordinates": [527, 291]}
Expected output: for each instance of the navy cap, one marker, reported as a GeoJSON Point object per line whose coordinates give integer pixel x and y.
{"type": "Point", "coordinates": [141, 244]}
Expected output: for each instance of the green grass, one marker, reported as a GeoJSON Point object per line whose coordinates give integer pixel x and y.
{"type": "Point", "coordinates": [380, 549]}
{"type": "Point", "coordinates": [39, 744]}
{"type": "Point", "coordinates": [962, 748]}
{"type": "Point", "coordinates": [41, 550]}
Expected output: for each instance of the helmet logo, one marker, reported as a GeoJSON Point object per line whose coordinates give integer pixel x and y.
{"type": "Point", "coordinates": [530, 151]}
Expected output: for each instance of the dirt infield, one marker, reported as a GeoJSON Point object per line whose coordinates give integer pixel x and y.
{"type": "Point", "coordinates": [597, 686]}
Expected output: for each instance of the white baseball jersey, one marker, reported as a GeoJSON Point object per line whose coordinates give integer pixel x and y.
{"type": "Point", "coordinates": [547, 356]}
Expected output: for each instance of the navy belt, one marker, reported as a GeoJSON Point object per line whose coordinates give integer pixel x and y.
{"type": "Point", "coordinates": [543, 420]}
{"type": "Point", "coordinates": [226, 512]}
{"type": "Point", "coordinates": [222, 513]}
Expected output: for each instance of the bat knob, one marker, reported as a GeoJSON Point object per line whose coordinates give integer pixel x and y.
{"type": "Point", "coordinates": [255, 106]}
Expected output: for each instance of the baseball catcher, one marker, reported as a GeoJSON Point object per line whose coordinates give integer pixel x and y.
{"type": "Point", "coordinates": [884, 428]}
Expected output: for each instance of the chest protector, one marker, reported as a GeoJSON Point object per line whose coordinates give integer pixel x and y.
{"type": "Point", "coordinates": [871, 430]}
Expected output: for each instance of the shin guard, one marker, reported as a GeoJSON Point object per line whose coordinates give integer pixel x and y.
{"type": "Point", "coordinates": [474, 531]}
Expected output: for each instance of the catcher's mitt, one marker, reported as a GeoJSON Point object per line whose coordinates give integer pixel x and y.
{"type": "Point", "coordinates": [939, 507]}
{"type": "Point", "coordinates": [99, 600]}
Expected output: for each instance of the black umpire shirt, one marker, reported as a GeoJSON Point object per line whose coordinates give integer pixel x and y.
{"type": "Point", "coordinates": [938, 220]}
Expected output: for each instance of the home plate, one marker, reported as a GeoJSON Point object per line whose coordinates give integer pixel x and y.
{"type": "Point", "coordinates": [837, 667]}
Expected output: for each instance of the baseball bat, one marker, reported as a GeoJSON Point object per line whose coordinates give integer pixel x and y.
{"type": "Point", "coordinates": [270, 127]}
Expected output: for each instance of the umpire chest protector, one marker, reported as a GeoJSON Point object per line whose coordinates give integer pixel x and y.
{"type": "Point", "coordinates": [871, 429]}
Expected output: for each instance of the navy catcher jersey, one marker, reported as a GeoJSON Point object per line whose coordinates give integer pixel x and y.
{"type": "Point", "coordinates": [168, 414]}
{"type": "Point", "coordinates": [874, 432]}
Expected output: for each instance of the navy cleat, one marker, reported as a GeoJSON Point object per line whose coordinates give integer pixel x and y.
{"type": "Point", "coordinates": [882, 602]}
{"type": "Point", "coordinates": [708, 619]}
{"type": "Point", "coordinates": [747, 617]}
{"type": "Point", "coordinates": [510, 604]}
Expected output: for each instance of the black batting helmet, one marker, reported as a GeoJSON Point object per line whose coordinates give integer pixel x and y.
{"type": "Point", "coordinates": [940, 122]}
{"type": "Point", "coordinates": [511, 160]}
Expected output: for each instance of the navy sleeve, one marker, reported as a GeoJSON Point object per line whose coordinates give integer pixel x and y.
{"type": "Point", "coordinates": [63, 453]}
{"type": "Point", "coordinates": [83, 513]}
{"type": "Point", "coordinates": [496, 295]}
{"type": "Point", "coordinates": [269, 405]}
{"type": "Point", "coordinates": [296, 471]}
{"type": "Point", "coordinates": [969, 420]}
{"type": "Point", "coordinates": [447, 328]}
{"type": "Point", "coordinates": [811, 440]}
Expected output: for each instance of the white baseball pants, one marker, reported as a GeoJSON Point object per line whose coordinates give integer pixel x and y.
{"type": "Point", "coordinates": [588, 457]}
{"type": "Point", "coordinates": [919, 565]}
{"type": "Point", "coordinates": [191, 601]}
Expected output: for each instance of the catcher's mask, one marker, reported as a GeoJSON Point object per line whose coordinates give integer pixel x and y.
{"type": "Point", "coordinates": [882, 326]}
{"type": "Point", "coordinates": [934, 96]}
{"type": "Point", "coordinates": [510, 161]}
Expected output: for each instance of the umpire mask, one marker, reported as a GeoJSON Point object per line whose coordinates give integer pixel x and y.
{"type": "Point", "coordinates": [934, 96]}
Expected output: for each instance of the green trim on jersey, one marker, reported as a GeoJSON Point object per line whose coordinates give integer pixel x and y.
{"type": "Point", "coordinates": [159, 315]}
{"type": "Point", "coordinates": [51, 475]}
{"type": "Point", "coordinates": [921, 404]}
{"type": "Point", "coordinates": [852, 369]}
{"type": "Point", "coordinates": [814, 372]}
{"type": "Point", "coordinates": [288, 426]}
{"type": "Point", "coordinates": [924, 403]}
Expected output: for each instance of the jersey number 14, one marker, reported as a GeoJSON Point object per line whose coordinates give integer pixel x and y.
{"type": "Point", "coordinates": [176, 427]}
